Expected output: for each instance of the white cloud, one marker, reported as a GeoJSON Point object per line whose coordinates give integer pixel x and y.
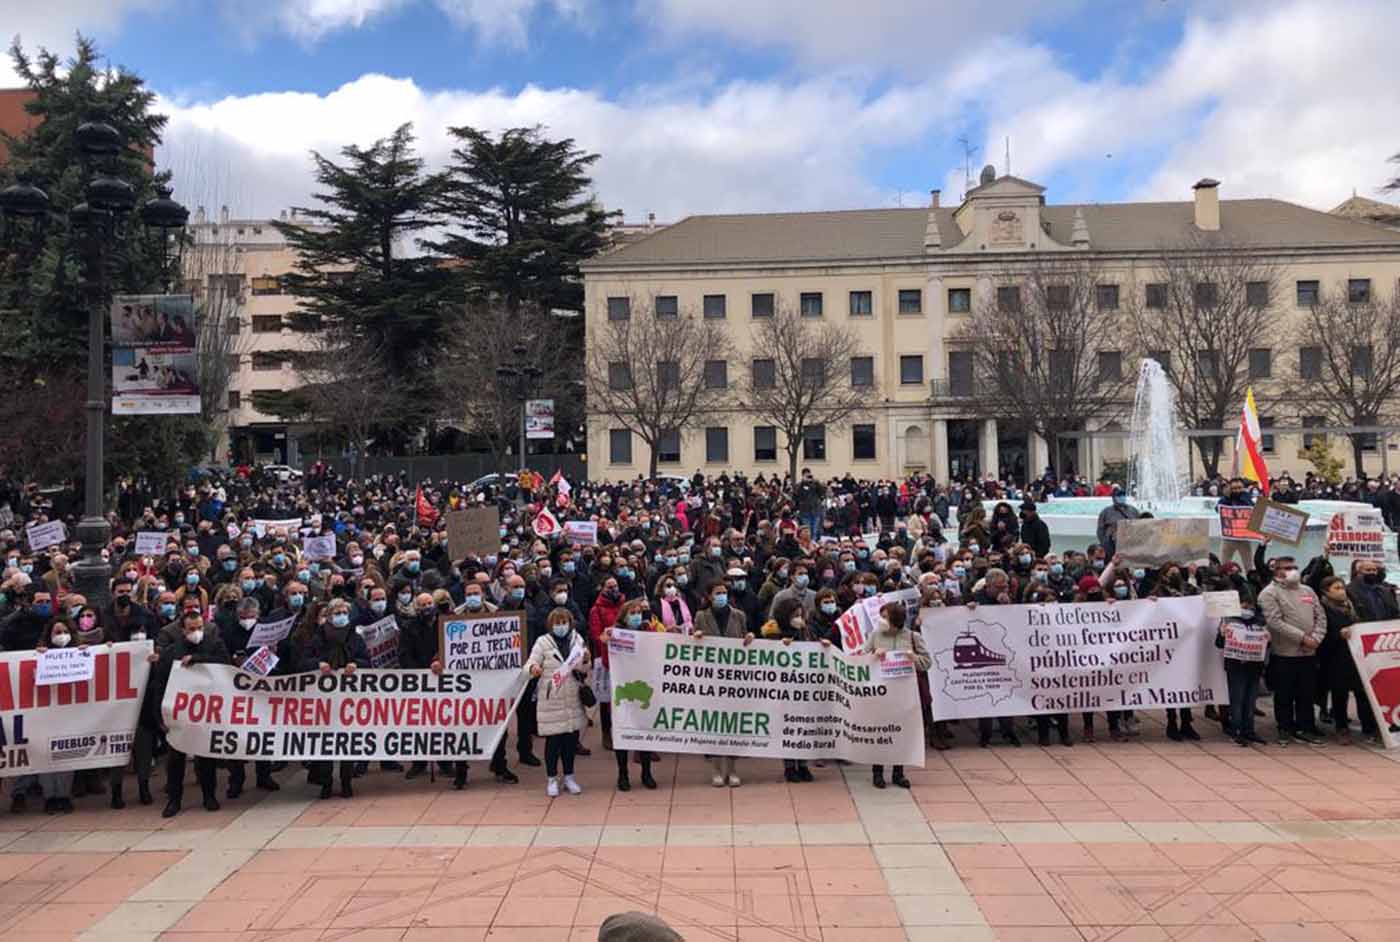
{"type": "Point", "coordinates": [51, 24]}
{"type": "Point", "coordinates": [312, 19]}
{"type": "Point", "coordinates": [507, 21]}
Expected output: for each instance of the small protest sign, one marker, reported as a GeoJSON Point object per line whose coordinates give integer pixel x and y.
{"type": "Point", "coordinates": [43, 535]}
{"type": "Point", "coordinates": [475, 531]}
{"type": "Point", "coordinates": [271, 633]}
{"type": "Point", "coordinates": [318, 547]}
{"type": "Point", "coordinates": [64, 666]}
{"type": "Point", "coordinates": [581, 532]}
{"type": "Point", "coordinates": [481, 642]}
{"type": "Point", "coordinates": [1222, 604]}
{"type": "Point", "coordinates": [151, 542]}
{"type": "Point", "coordinates": [1355, 535]}
{"type": "Point", "coordinates": [382, 639]}
{"type": "Point", "coordinates": [262, 662]}
{"type": "Point", "coordinates": [1234, 524]}
{"type": "Point", "coordinates": [1245, 642]}
{"type": "Point", "coordinates": [1279, 521]}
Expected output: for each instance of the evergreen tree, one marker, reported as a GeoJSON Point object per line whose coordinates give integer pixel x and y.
{"type": "Point", "coordinates": [523, 217]}
{"type": "Point", "coordinates": [47, 289]}
{"type": "Point", "coordinates": [357, 281]}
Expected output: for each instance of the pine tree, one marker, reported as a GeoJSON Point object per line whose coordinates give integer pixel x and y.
{"type": "Point", "coordinates": [356, 278]}
{"type": "Point", "coordinates": [523, 217]}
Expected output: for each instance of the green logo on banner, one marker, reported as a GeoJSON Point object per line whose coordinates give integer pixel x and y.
{"type": "Point", "coordinates": [638, 691]}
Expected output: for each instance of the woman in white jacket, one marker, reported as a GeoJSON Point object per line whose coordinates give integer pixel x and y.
{"type": "Point", "coordinates": [560, 658]}
{"type": "Point", "coordinates": [891, 634]}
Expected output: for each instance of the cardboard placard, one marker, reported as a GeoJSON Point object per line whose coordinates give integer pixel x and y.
{"type": "Point", "coordinates": [64, 666]}
{"type": "Point", "coordinates": [1279, 522]}
{"type": "Point", "coordinates": [1154, 542]}
{"type": "Point", "coordinates": [1222, 604]}
{"type": "Point", "coordinates": [151, 542]}
{"type": "Point", "coordinates": [271, 633]}
{"type": "Point", "coordinates": [1234, 524]}
{"type": "Point", "coordinates": [1356, 535]}
{"type": "Point", "coordinates": [581, 532]}
{"type": "Point", "coordinates": [475, 531]}
{"type": "Point", "coordinates": [491, 641]}
{"type": "Point", "coordinates": [43, 535]}
{"type": "Point", "coordinates": [318, 547]}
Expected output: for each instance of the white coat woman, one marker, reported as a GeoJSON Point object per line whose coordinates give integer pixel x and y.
{"type": "Point", "coordinates": [892, 635]}
{"type": "Point", "coordinates": [560, 659]}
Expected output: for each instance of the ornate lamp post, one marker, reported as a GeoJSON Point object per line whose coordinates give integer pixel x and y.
{"type": "Point", "coordinates": [519, 376]}
{"type": "Point", "coordinates": [101, 217]}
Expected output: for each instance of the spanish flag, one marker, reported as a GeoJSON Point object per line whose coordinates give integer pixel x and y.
{"type": "Point", "coordinates": [1249, 453]}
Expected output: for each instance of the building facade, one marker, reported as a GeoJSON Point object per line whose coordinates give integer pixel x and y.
{"type": "Point", "coordinates": [907, 280]}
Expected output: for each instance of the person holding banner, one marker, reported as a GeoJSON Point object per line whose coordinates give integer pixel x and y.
{"type": "Point", "coordinates": [56, 787]}
{"type": "Point", "coordinates": [996, 587]}
{"type": "Point", "coordinates": [559, 663]}
{"type": "Point", "coordinates": [633, 617]}
{"type": "Point", "coordinates": [892, 634]}
{"type": "Point", "coordinates": [193, 646]}
{"type": "Point", "coordinates": [1339, 669]}
{"type": "Point", "coordinates": [236, 632]}
{"type": "Point", "coordinates": [325, 642]}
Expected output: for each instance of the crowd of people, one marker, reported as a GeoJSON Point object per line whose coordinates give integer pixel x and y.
{"type": "Point", "coordinates": [766, 560]}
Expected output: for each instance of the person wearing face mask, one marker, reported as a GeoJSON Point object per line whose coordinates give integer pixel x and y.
{"type": "Point", "coordinates": [1242, 677]}
{"type": "Point", "coordinates": [823, 626]}
{"type": "Point", "coordinates": [1373, 598]}
{"type": "Point", "coordinates": [787, 625]}
{"type": "Point", "coordinates": [1338, 668]}
{"type": "Point", "coordinates": [779, 576]}
{"type": "Point", "coordinates": [670, 607]}
{"type": "Point", "coordinates": [741, 597]}
{"type": "Point", "coordinates": [325, 642]}
{"type": "Point", "coordinates": [1115, 513]}
{"type": "Point", "coordinates": [559, 663]}
{"type": "Point", "coordinates": [1034, 532]}
{"type": "Point", "coordinates": [798, 589]}
{"type": "Point", "coordinates": [193, 645]}
{"type": "Point", "coordinates": [128, 621]}
{"type": "Point", "coordinates": [235, 629]}
{"type": "Point", "coordinates": [56, 787]}
{"type": "Point", "coordinates": [525, 712]}
{"type": "Point", "coordinates": [1297, 626]}
{"type": "Point", "coordinates": [1171, 583]}
{"type": "Point", "coordinates": [24, 628]}
{"type": "Point", "coordinates": [892, 634]}
{"type": "Point", "coordinates": [225, 569]}
{"type": "Point", "coordinates": [707, 566]}
{"type": "Point", "coordinates": [632, 616]}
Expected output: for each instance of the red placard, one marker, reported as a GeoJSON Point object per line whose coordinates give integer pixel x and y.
{"type": "Point", "coordinates": [1234, 524]}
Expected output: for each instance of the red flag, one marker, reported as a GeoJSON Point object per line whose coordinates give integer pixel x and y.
{"type": "Point", "coordinates": [424, 510]}
{"type": "Point", "coordinates": [545, 524]}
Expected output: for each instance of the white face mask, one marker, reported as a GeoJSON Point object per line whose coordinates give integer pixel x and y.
{"type": "Point", "coordinates": [247, 622]}
{"type": "Point", "coordinates": [195, 638]}
{"type": "Point", "coordinates": [670, 592]}
{"type": "Point", "coordinates": [61, 641]}
{"type": "Point", "coordinates": [560, 598]}
{"type": "Point", "coordinates": [138, 636]}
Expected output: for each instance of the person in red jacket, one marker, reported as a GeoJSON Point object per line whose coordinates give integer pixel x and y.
{"type": "Point", "coordinates": [601, 617]}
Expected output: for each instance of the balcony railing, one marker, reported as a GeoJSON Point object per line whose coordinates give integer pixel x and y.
{"type": "Point", "coordinates": [949, 389]}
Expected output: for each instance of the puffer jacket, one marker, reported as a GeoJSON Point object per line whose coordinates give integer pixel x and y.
{"type": "Point", "coordinates": [557, 709]}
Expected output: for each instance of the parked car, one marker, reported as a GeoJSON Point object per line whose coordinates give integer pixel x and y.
{"type": "Point", "coordinates": [493, 480]}
{"type": "Point", "coordinates": [283, 473]}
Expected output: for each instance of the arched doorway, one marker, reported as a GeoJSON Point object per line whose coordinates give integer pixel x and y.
{"type": "Point", "coordinates": [914, 448]}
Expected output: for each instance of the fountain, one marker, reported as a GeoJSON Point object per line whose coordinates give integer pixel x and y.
{"type": "Point", "coordinates": [1153, 478]}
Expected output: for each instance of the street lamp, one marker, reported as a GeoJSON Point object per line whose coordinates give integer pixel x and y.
{"type": "Point", "coordinates": [101, 218]}
{"type": "Point", "coordinates": [519, 376]}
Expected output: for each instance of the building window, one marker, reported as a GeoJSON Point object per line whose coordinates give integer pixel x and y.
{"type": "Point", "coordinates": [1110, 366]}
{"type": "Point", "coordinates": [1107, 297]}
{"type": "Point", "coordinates": [1369, 440]}
{"type": "Point", "coordinates": [1009, 299]}
{"type": "Point", "coordinates": [765, 374]}
{"type": "Point", "coordinates": [619, 376]}
{"type": "Point", "coordinates": [960, 372]}
{"type": "Point", "coordinates": [1362, 361]}
{"type": "Point", "coordinates": [862, 371]}
{"type": "Point", "coordinates": [228, 285]}
{"type": "Point", "coordinates": [715, 306]}
{"type": "Point", "coordinates": [1156, 296]}
{"type": "Point", "coordinates": [1163, 358]}
{"type": "Point", "coordinates": [863, 442]}
{"type": "Point", "coordinates": [1206, 363]}
{"type": "Point", "coordinates": [959, 300]}
{"type": "Point", "coordinates": [1358, 290]}
{"type": "Point", "coordinates": [1261, 363]}
{"type": "Point", "coordinates": [1313, 421]}
{"type": "Point", "coordinates": [267, 324]}
{"type": "Point", "coordinates": [761, 305]}
{"type": "Point", "coordinates": [235, 324]}
{"type": "Point", "coordinates": [814, 443]}
{"type": "Point", "coordinates": [1256, 293]}
{"type": "Point", "coordinates": [810, 303]}
{"type": "Point", "coordinates": [1266, 440]}
{"type": "Point", "coordinates": [1310, 362]}
{"type": "Point", "coordinates": [668, 375]}
{"type": "Point", "coordinates": [266, 362]}
{"type": "Point", "coordinates": [1206, 294]}
{"type": "Point", "coordinates": [232, 361]}
{"type": "Point", "coordinates": [862, 304]}
{"type": "Point", "coordinates": [667, 307]}
{"type": "Point", "coordinates": [911, 370]}
{"type": "Point", "coordinates": [813, 372]}
{"type": "Point", "coordinates": [765, 443]}
{"type": "Point", "coordinates": [620, 446]}
{"type": "Point", "coordinates": [620, 309]}
{"type": "Point", "coordinates": [1057, 297]}
{"type": "Point", "coordinates": [911, 301]}
{"type": "Point", "coordinates": [1307, 293]}
{"type": "Point", "coordinates": [716, 374]}
{"type": "Point", "coordinates": [668, 447]}
{"type": "Point", "coordinates": [717, 445]}
{"type": "Point", "coordinates": [235, 400]}
{"type": "Point", "coordinates": [266, 284]}
{"type": "Point", "coordinates": [1062, 367]}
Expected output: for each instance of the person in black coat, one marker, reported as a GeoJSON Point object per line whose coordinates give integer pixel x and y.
{"type": "Point", "coordinates": [1034, 532]}
{"type": "Point", "coordinates": [195, 645]}
{"type": "Point", "coordinates": [328, 643]}
{"type": "Point", "coordinates": [236, 631]}
{"type": "Point", "coordinates": [24, 627]}
{"type": "Point", "coordinates": [996, 590]}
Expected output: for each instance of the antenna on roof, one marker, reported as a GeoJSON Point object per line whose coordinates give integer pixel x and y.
{"type": "Point", "coordinates": [969, 151]}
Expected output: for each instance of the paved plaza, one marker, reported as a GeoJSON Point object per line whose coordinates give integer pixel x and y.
{"type": "Point", "coordinates": [1136, 841]}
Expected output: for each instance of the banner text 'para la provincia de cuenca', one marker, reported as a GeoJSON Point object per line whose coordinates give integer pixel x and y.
{"type": "Point", "coordinates": [369, 715]}
{"type": "Point", "coordinates": [63, 727]}
{"type": "Point", "coordinates": [765, 699]}
{"type": "Point", "coordinates": [1020, 660]}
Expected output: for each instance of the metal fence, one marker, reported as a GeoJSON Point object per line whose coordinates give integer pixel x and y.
{"type": "Point", "coordinates": [467, 467]}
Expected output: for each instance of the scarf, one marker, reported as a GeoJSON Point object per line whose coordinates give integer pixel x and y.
{"type": "Point", "coordinates": [668, 615]}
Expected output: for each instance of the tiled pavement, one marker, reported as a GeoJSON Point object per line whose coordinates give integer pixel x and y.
{"type": "Point", "coordinates": [1134, 841]}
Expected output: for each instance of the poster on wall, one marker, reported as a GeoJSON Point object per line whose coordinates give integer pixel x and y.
{"type": "Point", "coordinates": [155, 366]}
{"type": "Point", "coordinates": [539, 418]}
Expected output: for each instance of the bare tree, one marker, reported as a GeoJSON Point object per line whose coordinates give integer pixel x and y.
{"type": "Point", "coordinates": [1046, 348]}
{"type": "Point", "coordinates": [802, 378]}
{"type": "Point", "coordinates": [1349, 361]}
{"type": "Point", "coordinates": [1208, 306]}
{"type": "Point", "coordinates": [213, 271]}
{"type": "Point", "coordinates": [483, 341]}
{"type": "Point", "coordinates": [648, 372]}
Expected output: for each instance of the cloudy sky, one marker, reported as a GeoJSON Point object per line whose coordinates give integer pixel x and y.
{"type": "Point", "coordinates": [731, 105]}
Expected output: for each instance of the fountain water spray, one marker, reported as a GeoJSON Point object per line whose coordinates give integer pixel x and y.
{"type": "Point", "coordinates": [1153, 477]}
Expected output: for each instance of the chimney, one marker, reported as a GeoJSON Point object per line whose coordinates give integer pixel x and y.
{"type": "Point", "coordinates": [199, 216]}
{"type": "Point", "coordinates": [933, 198]}
{"type": "Point", "coordinates": [651, 221]}
{"type": "Point", "coordinates": [1207, 204]}
{"type": "Point", "coordinates": [223, 215]}
{"type": "Point", "coordinates": [282, 215]}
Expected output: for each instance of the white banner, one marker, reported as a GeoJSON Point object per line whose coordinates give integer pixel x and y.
{"type": "Point", "coordinates": [1020, 660]}
{"type": "Point", "coordinates": [43, 535]}
{"type": "Point", "coordinates": [370, 715]}
{"type": "Point", "coordinates": [799, 701]}
{"type": "Point", "coordinates": [292, 525]}
{"type": "Point", "coordinates": [1375, 647]}
{"type": "Point", "coordinates": [382, 639]}
{"type": "Point", "coordinates": [270, 634]}
{"type": "Point", "coordinates": [151, 542]}
{"type": "Point", "coordinates": [62, 727]}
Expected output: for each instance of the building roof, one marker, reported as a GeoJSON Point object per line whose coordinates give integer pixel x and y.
{"type": "Point", "coordinates": [1360, 207]}
{"type": "Point", "coordinates": [850, 235]}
